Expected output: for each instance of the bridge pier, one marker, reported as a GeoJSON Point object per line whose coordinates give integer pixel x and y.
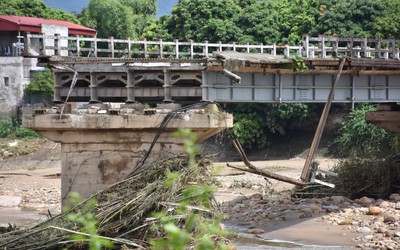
{"type": "Point", "coordinates": [99, 149]}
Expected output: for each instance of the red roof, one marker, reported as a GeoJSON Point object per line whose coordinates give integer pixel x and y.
{"type": "Point", "coordinates": [34, 24]}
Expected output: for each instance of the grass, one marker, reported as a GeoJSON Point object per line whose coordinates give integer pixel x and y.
{"type": "Point", "coordinates": [10, 148]}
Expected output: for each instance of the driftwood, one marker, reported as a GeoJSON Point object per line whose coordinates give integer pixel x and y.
{"type": "Point", "coordinates": [253, 169]}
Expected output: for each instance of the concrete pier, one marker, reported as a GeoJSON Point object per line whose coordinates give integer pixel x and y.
{"type": "Point", "coordinates": [100, 147]}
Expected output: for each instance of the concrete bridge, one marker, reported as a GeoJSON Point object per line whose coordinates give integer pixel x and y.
{"type": "Point", "coordinates": [102, 142]}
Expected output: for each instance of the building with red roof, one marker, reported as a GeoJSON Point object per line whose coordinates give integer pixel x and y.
{"type": "Point", "coordinates": [34, 25]}
{"type": "Point", "coordinates": [17, 71]}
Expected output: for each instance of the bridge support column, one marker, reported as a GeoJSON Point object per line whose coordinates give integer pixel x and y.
{"type": "Point", "coordinates": [167, 86]}
{"type": "Point", "coordinates": [130, 87]}
{"type": "Point", "coordinates": [57, 88]}
{"type": "Point", "coordinates": [93, 88]}
{"type": "Point", "coordinates": [98, 150]}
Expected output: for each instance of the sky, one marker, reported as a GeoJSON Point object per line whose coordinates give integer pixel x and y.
{"type": "Point", "coordinates": [164, 6]}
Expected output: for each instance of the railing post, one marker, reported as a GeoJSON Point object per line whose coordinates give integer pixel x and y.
{"type": "Point", "coordinates": [111, 45]}
{"type": "Point", "coordinates": [321, 39]}
{"type": "Point", "coordinates": [160, 49]}
{"type": "Point", "coordinates": [191, 49]}
{"type": "Point", "coordinates": [357, 50]}
{"type": "Point", "coordinates": [248, 48]}
{"type": "Point", "coordinates": [350, 47]}
{"type": "Point", "coordinates": [335, 45]}
{"type": "Point", "coordinates": [287, 51]}
{"type": "Point", "coordinates": [205, 49]}
{"type": "Point", "coordinates": [261, 48]}
{"type": "Point", "coordinates": [78, 46]}
{"type": "Point", "coordinates": [299, 51]}
{"type": "Point", "coordinates": [378, 48]}
{"type": "Point", "coordinates": [273, 52]}
{"type": "Point", "coordinates": [219, 46]}
{"type": "Point", "coordinates": [234, 46]}
{"type": "Point", "coordinates": [129, 47]}
{"type": "Point", "coordinates": [145, 48]}
{"type": "Point", "coordinates": [57, 45]}
{"type": "Point", "coordinates": [305, 43]}
{"type": "Point", "coordinates": [392, 48]}
{"type": "Point", "coordinates": [95, 46]}
{"type": "Point", "coordinates": [386, 53]}
{"type": "Point", "coordinates": [176, 49]}
{"type": "Point", "coordinates": [364, 44]}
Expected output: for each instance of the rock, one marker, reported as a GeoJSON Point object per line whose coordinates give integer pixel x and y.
{"type": "Point", "coordinates": [345, 222]}
{"type": "Point", "coordinates": [330, 208]}
{"type": "Point", "coordinates": [368, 237]}
{"type": "Point", "coordinates": [364, 201]}
{"type": "Point", "coordinates": [256, 197]}
{"type": "Point", "coordinates": [389, 218]}
{"type": "Point", "coordinates": [397, 234]}
{"type": "Point", "coordinates": [255, 231]}
{"type": "Point", "coordinates": [363, 230]}
{"type": "Point", "coordinates": [394, 197]}
{"type": "Point", "coordinates": [384, 204]}
{"type": "Point", "coordinates": [374, 211]}
{"type": "Point", "coordinates": [397, 206]}
{"type": "Point", "coordinates": [10, 201]}
{"type": "Point", "coordinates": [338, 199]}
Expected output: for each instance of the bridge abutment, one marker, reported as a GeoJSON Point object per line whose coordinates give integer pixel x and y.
{"type": "Point", "coordinates": [98, 149]}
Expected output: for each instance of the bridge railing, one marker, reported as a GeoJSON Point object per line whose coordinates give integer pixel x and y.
{"type": "Point", "coordinates": [38, 45]}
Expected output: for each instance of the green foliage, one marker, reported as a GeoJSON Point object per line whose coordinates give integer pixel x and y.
{"type": "Point", "coordinates": [254, 122]}
{"type": "Point", "coordinates": [10, 127]}
{"type": "Point", "coordinates": [26, 133]}
{"type": "Point", "coordinates": [201, 20]}
{"type": "Point", "coordinates": [41, 83]}
{"type": "Point", "coordinates": [87, 220]}
{"type": "Point", "coordinates": [34, 8]}
{"type": "Point", "coordinates": [198, 228]}
{"type": "Point", "coordinates": [358, 138]}
{"type": "Point", "coordinates": [7, 126]}
{"type": "Point", "coordinates": [298, 64]}
{"type": "Point", "coordinates": [110, 18]}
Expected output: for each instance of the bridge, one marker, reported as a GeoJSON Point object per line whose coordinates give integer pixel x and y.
{"type": "Point", "coordinates": [114, 70]}
{"type": "Point", "coordinates": [100, 144]}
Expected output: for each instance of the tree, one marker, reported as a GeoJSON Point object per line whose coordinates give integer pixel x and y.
{"type": "Point", "coordinates": [254, 122]}
{"type": "Point", "coordinates": [200, 20]}
{"type": "Point", "coordinates": [109, 18]}
{"type": "Point", "coordinates": [345, 18]}
{"type": "Point", "coordinates": [143, 11]}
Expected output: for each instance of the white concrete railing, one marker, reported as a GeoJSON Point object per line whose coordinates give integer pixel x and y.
{"type": "Point", "coordinates": [312, 47]}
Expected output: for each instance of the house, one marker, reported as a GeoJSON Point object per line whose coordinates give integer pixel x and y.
{"type": "Point", "coordinates": [16, 70]}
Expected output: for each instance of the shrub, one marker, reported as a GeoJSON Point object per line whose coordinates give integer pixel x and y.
{"type": "Point", "coordinates": [21, 132]}
{"type": "Point", "coordinates": [358, 138]}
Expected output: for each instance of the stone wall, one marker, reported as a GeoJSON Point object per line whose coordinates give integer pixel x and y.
{"type": "Point", "coordinates": [14, 76]}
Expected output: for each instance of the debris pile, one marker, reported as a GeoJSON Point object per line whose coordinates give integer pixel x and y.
{"type": "Point", "coordinates": [123, 210]}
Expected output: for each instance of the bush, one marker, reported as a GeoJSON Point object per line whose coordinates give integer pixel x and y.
{"type": "Point", "coordinates": [21, 132]}
{"type": "Point", "coordinates": [10, 127]}
{"type": "Point", "coordinates": [358, 138]}
{"type": "Point", "coordinates": [7, 126]}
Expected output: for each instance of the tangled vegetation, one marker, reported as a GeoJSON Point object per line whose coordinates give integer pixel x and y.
{"type": "Point", "coordinates": [180, 194]}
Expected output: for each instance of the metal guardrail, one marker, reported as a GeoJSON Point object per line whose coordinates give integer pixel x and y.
{"type": "Point", "coordinates": [38, 45]}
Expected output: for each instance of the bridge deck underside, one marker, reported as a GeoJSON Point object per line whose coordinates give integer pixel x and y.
{"type": "Point", "coordinates": [270, 87]}
{"type": "Point", "coordinates": [254, 87]}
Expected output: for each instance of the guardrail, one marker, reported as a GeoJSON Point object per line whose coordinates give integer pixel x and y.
{"type": "Point", "coordinates": [38, 45]}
